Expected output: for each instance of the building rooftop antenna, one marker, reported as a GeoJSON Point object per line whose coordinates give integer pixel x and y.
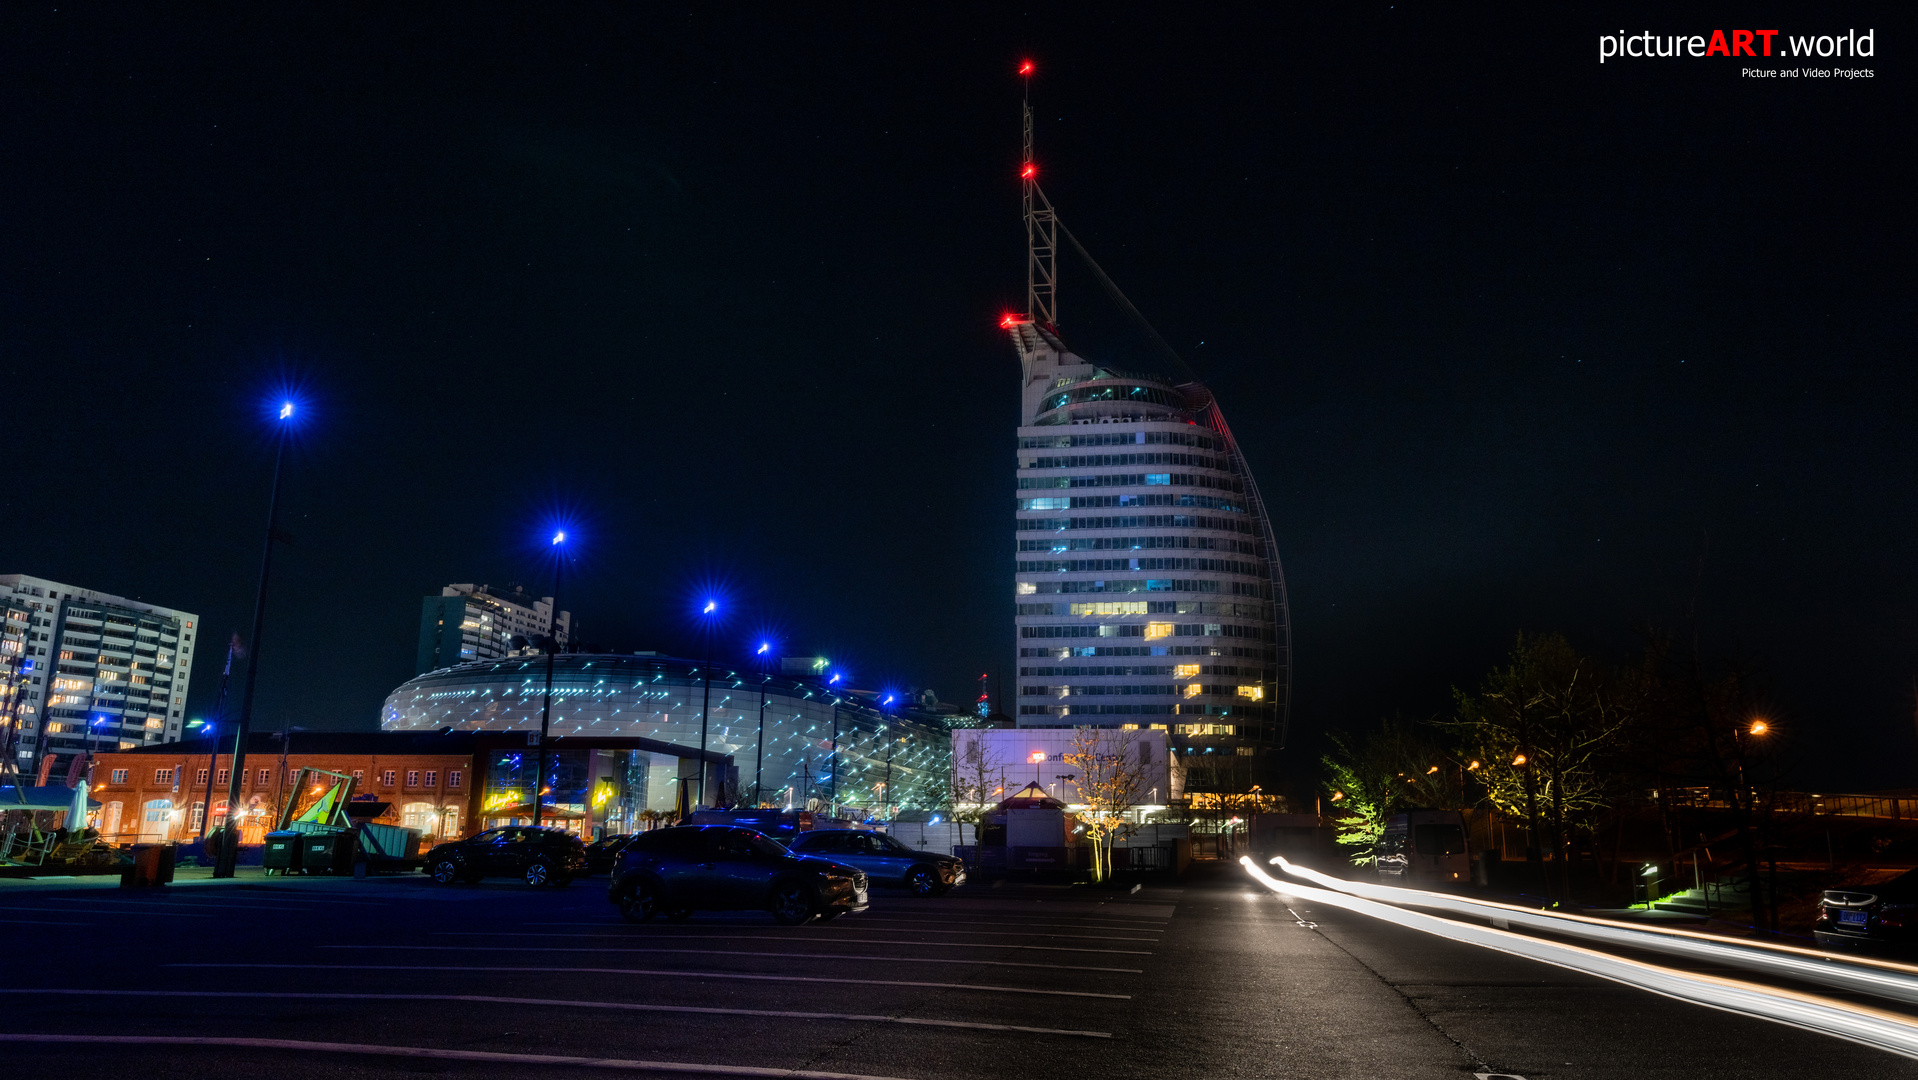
{"type": "Point", "coordinates": [1042, 228]}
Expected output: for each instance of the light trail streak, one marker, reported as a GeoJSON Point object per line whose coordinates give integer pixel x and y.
{"type": "Point", "coordinates": [1857, 1023]}
{"type": "Point", "coordinates": [1863, 976]}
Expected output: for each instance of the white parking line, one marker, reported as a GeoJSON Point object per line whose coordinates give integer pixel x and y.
{"type": "Point", "coordinates": [1005, 922]}
{"type": "Point", "coordinates": [69, 911]}
{"type": "Point", "coordinates": [447, 1055]}
{"type": "Point", "coordinates": [177, 900]}
{"type": "Point", "coordinates": [626, 1005]}
{"type": "Point", "coordinates": [768, 937]}
{"type": "Point", "coordinates": [731, 952]}
{"type": "Point", "coordinates": [737, 975]}
{"type": "Point", "coordinates": [1009, 933]}
{"type": "Point", "coordinates": [704, 931]}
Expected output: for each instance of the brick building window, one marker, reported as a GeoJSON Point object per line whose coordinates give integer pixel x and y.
{"type": "Point", "coordinates": [412, 778]}
{"type": "Point", "coordinates": [386, 778]}
{"type": "Point", "coordinates": [119, 776]}
{"type": "Point", "coordinates": [266, 777]}
{"type": "Point", "coordinates": [163, 776]}
{"type": "Point", "coordinates": [199, 778]}
{"type": "Point", "coordinates": [224, 775]}
{"type": "Point", "coordinates": [432, 778]}
{"type": "Point", "coordinates": [359, 775]}
{"type": "Point", "coordinates": [453, 778]}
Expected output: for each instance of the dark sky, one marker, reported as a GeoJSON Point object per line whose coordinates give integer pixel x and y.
{"type": "Point", "coordinates": [1512, 339]}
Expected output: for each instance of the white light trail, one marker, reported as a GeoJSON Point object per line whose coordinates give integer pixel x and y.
{"type": "Point", "coordinates": [1858, 975]}
{"type": "Point", "coordinates": [1857, 1023]}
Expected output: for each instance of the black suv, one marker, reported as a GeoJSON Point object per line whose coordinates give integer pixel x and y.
{"type": "Point", "coordinates": [538, 856]}
{"type": "Point", "coordinates": [884, 859]}
{"type": "Point", "coordinates": [690, 868]}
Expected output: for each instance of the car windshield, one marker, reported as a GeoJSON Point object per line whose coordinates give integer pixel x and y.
{"type": "Point", "coordinates": [891, 843]}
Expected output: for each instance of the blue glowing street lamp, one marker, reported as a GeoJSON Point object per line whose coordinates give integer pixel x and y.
{"type": "Point", "coordinates": [764, 655]}
{"type": "Point", "coordinates": [707, 614]}
{"type": "Point", "coordinates": [230, 838]}
{"type": "Point", "coordinates": [552, 646]}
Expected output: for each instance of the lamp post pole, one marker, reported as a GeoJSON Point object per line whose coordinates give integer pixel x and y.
{"type": "Point", "coordinates": [706, 708]}
{"type": "Point", "coordinates": [230, 837]}
{"type": "Point", "coordinates": [552, 646]}
{"type": "Point", "coordinates": [759, 744]}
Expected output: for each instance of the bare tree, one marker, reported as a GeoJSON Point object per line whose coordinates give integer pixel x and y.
{"type": "Point", "coordinates": [978, 783]}
{"type": "Point", "coordinates": [1112, 778]}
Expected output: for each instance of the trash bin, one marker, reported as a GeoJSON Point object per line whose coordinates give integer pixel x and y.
{"type": "Point", "coordinates": [283, 850]}
{"type": "Point", "coordinates": [152, 866]}
{"type": "Point", "coordinates": [328, 853]}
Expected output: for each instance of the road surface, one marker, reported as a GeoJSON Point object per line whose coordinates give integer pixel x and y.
{"type": "Point", "coordinates": [1218, 977]}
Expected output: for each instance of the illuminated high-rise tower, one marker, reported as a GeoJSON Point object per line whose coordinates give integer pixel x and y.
{"type": "Point", "coordinates": [1147, 581]}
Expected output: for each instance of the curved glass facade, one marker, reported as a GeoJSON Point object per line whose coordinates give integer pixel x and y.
{"type": "Point", "coordinates": [817, 743]}
{"type": "Point", "coordinates": [1150, 593]}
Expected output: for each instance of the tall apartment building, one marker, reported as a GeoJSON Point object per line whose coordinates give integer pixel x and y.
{"type": "Point", "coordinates": [482, 622]}
{"type": "Point", "coordinates": [89, 671]}
{"type": "Point", "coordinates": [1148, 590]}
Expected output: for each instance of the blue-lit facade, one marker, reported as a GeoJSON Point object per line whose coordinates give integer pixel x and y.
{"type": "Point", "coordinates": [789, 739]}
{"type": "Point", "coordinates": [1147, 583]}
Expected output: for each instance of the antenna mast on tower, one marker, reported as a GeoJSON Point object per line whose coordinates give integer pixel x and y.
{"type": "Point", "coordinates": [1042, 229]}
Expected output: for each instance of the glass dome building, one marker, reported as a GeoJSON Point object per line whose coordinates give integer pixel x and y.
{"type": "Point", "coordinates": [789, 739]}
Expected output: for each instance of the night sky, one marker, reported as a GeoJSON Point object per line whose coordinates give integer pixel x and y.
{"type": "Point", "coordinates": [1513, 340]}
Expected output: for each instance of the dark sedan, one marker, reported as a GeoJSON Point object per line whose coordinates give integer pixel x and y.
{"type": "Point", "coordinates": [885, 859]}
{"type": "Point", "coordinates": [603, 853]}
{"type": "Point", "coordinates": [1877, 917]}
{"type": "Point", "coordinates": [681, 870]}
{"type": "Point", "coordinates": [535, 856]}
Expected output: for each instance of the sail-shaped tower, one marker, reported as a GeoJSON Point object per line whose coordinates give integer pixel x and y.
{"type": "Point", "coordinates": [1147, 585]}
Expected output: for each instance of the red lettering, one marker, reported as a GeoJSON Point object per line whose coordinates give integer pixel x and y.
{"type": "Point", "coordinates": [1718, 46]}
{"type": "Point", "coordinates": [1767, 35]}
{"type": "Point", "coordinates": [1742, 43]}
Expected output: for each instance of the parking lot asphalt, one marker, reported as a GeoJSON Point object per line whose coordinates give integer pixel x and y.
{"type": "Point", "coordinates": [295, 978]}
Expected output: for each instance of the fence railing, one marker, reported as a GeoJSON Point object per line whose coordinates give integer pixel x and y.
{"type": "Point", "coordinates": [1810, 804]}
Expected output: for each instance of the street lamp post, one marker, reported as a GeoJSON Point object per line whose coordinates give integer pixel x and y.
{"type": "Point", "coordinates": [230, 839]}
{"type": "Point", "coordinates": [835, 754]}
{"type": "Point", "coordinates": [706, 709]}
{"type": "Point", "coordinates": [552, 646]}
{"type": "Point", "coordinates": [759, 744]}
{"type": "Point", "coordinates": [1757, 728]}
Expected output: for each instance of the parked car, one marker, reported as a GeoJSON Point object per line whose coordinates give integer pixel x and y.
{"type": "Point", "coordinates": [1424, 847]}
{"type": "Point", "coordinates": [1874, 917]}
{"type": "Point", "coordinates": [536, 856]}
{"type": "Point", "coordinates": [602, 853]}
{"type": "Point", "coordinates": [885, 859]}
{"type": "Point", "coordinates": [690, 868]}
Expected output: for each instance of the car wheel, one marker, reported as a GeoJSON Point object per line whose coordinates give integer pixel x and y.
{"type": "Point", "coordinates": [539, 873]}
{"type": "Point", "coordinates": [446, 872]}
{"type": "Point", "coordinates": [922, 881]}
{"type": "Point", "coordinates": [637, 904]}
{"type": "Point", "coordinates": [792, 904]}
{"type": "Point", "coordinates": [679, 914]}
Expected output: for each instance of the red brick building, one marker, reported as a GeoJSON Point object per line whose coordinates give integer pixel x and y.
{"type": "Point", "coordinates": [154, 794]}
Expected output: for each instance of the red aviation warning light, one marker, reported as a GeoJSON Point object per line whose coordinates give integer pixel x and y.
{"type": "Point", "coordinates": [1025, 67]}
{"type": "Point", "coordinates": [1028, 171]}
{"type": "Point", "coordinates": [1009, 320]}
